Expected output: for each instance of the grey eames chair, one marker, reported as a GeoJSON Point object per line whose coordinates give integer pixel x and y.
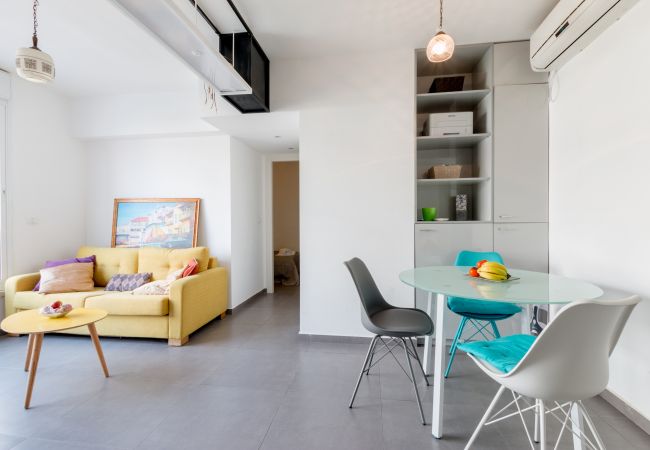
{"type": "Point", "coordinates": [399, 325]}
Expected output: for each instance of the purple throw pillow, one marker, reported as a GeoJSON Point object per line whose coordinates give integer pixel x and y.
{"type": "Point", "coordinates": [63, 262]}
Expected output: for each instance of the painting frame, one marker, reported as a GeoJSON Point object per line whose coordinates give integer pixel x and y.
{"type": "Point", "coordinates": [195, 202]}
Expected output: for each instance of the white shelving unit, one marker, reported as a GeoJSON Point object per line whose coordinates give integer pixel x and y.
{"type": "Point", "coordinates": [462, 181]}
{"type": "Point", "coordinates": [434, 143]}
{"type": "Point", "coordinates": [504, 163]}
{"type": "Point", "coordinates": [473, 152]}
{"type": "Point", "coordinates": [448, 100]}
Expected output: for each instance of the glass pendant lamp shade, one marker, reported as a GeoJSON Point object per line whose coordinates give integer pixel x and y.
{"type": "Point", "coordinates": [440, 48]}
{"type": "Point", "coordinates": [32, 64]}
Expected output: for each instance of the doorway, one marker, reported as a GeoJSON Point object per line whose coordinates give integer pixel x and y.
{"type": "Point", "coordinates": [286, 224]}
{"type": "Point", "coordinates": [282, 222]}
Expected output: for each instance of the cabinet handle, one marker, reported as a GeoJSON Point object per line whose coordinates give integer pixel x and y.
{"type": "Point", "coordinates": [506, 216]}
{"type": "Point", "coordinates": [428, 230]}
{"type": "Point", "coordinates": [506, 229]}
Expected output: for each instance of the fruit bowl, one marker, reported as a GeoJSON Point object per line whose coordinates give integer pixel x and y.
{"type": "Point", "coordinates": [491, 271]}
{"type": "Point", "coordinates": [55, 310]}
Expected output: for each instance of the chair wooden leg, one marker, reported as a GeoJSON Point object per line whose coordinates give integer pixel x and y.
{"type": "Point", "coordinates": [30, 349]}
{"type": "Point", "coordinates": [178, 342]}
{"type": "Point", "coordinates": [98, 347]}
{"type": "Point", "coordinates": [38, 342]}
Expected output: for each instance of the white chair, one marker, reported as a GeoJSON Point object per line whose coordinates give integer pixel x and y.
{"type": "Point", "coordinates": [565, 365]}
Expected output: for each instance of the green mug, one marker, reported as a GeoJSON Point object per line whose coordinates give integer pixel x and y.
{"type": "Point", "coordinates": [428, 214]}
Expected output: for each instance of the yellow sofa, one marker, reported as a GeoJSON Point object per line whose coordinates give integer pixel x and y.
{"type": "Point", "coordinates": [192, 301]}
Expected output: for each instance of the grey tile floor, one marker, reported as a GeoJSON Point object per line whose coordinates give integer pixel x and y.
{"type": "Point", "coordinates": [248, 382]}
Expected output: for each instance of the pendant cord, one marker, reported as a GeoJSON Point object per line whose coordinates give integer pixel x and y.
{"type": "Point", "coordinates": [441, 14]}
{"type": "Point", "coordinates": [35, 36]}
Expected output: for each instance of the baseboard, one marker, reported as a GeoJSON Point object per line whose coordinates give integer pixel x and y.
{"type": "Point", "coordinates": [335, 339]}
{"type": "Point", "coordinates": [253, 297]}
{"type": "Point", "coordinates": [617, 402]}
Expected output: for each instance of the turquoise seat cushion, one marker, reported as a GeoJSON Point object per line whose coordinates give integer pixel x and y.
{"type": "Point", "coordinates": [503, 354]}
{"type": "Point", "coordinates": [481, 307]}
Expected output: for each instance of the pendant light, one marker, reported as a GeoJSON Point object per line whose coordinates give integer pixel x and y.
{"type": "Point", "coordinates": [441, 46]}
{"type": "Point", "coordinates": [32, 64]}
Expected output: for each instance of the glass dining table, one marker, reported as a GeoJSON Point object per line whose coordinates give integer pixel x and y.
{"type": "Point", "coordinates": [524, 288]}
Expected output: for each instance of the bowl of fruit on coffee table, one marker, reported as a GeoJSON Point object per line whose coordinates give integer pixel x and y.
{"type": "Point", "coordinates": [55, 310]}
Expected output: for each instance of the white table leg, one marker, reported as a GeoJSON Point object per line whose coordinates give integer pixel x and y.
{"type": "Point", "coordinates": [439, 368]}
{"type": "Point", "coordinates": [426, 359]}
{"type": "Point", "coordinates": [578, 428]}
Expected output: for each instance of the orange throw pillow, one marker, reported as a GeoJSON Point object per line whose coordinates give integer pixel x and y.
{"type": "Point", "coordinates": [191, 268]}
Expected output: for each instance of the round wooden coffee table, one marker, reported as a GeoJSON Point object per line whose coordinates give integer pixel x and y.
{"type": "Point", "coordinates": [33, 323]}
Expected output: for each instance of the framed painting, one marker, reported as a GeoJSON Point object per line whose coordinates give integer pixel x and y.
{"type": "Point", "coordinates": [155, 222]}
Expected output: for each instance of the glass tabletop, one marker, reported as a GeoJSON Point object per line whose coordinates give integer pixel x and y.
{"type": "Point", "coordinates": [529, 287]}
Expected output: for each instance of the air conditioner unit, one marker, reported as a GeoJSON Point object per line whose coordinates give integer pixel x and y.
{"type": "Point", "coordinates": [570, 27]}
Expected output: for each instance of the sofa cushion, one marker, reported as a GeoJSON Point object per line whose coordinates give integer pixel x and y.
{"type": "Point", "coordinates": [111, 261]}
{"type": "Point", "coordinates": [122, 282]}
{"type": "Point", "coordinates": [162, 261]}
{"type": "Point", "coordinates": [75, 277]}
{"type": "Point", "coordinates": [127, 304]}
{"type": "Point", "coordinates": [33, 300]}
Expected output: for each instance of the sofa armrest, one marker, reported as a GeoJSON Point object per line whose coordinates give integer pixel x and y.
{"type": "Point", "coordinates": [18, 283]}
{"type": "Point", "coordinates": [196, 300]}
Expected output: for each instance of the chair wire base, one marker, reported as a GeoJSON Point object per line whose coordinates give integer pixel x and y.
{"type": "Point", "coordinates": [540, 411]}
{"type": "Point", "coordinates": [410, 353]}
{"type": "Point", "coordinates": [481, 327]}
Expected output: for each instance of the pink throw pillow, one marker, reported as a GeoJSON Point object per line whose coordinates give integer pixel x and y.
{"type": "Point", "coordinates": [191, 268]}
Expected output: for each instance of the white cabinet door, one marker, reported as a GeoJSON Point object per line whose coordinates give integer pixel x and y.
{"type": "Point", "coordinates": [523, 245]}
{"type": "Point", "coordinates": [438, 244]}
{"type": "Point", "coordinates": [521, 153]}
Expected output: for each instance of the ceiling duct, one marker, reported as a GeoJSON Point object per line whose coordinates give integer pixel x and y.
{"type": "Point", "coordinates": [219, 48]}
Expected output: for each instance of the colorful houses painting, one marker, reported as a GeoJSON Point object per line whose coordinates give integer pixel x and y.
{"type": "Point", "coordinates": [166, 223]}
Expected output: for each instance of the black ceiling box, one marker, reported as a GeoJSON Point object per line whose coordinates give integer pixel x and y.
{"type": "Point", "coordinates": [252, 64]}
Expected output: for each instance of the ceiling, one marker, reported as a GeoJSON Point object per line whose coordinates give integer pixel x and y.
{"type": "Point", "coordinates": [301, 28]}
{"type": "Point", "coordinates": [100, 51]}
{"type": "Point", "coordinates": [97, 50]}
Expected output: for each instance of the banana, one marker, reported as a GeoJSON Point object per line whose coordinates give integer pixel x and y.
{"type": "Point", "coordinates": [493, 276]}
{"type": "Point", "coordinates": [491, 270]}
{"type": "Point", "coordinates": [494, 265]}
{"type": "Point", "coordinates": [494, 270]}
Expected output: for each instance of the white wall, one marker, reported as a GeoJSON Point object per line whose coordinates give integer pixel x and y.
{"type": "Point", "coordinates": [161, 167]}
{"type": "Point", "coordinates": [134, 115]}
{"type": "Point", "coordinates": [223, 172]}
{"type": "Point", "coordinates": [599, 164]}
{"type": "Point", "coordinates": [45, 179]}
{"type": "Point", "coordinates": [247, 262]}
{"type": "Point", "coordinates": [356, 178]}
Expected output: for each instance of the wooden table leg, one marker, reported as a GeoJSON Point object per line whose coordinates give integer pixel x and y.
{"type": "Point", "coordinates": [30, 349]}
{"type": "Point", "coordinates": [37, 341]}
{"type": "Point", "coordinates": [98, 347]}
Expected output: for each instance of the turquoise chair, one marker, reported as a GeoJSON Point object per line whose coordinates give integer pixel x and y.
{"type": "Point", "coordinates": [478, 313]}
